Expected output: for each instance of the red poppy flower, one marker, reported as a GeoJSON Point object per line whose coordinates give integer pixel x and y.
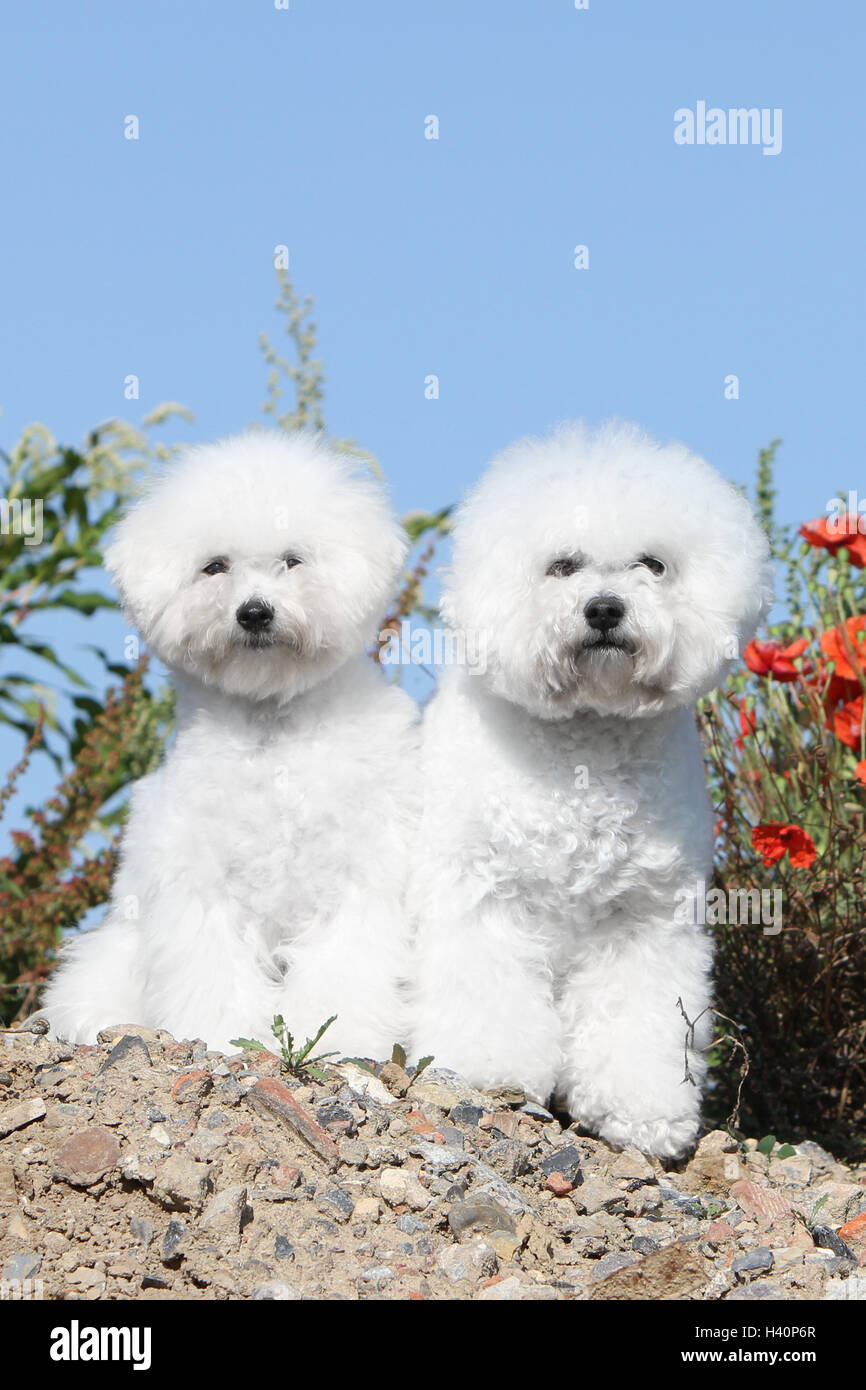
{"type": "Point", "coordinates": [848, 531]}
{"type": "Point", "coordinates": [834, 649]}
{"type": "Point", "coordinates": [769, 659]}
{"type": "Point", "coordinates": [860, 772]}
{"type": "Point", "coordinates": [848, 723]}
{"type": "Point", "coordinates": [774, 839]}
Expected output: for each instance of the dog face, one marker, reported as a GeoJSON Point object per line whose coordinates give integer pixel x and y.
{"type": "Point", "coordinates": [606, 573]}
{"type": "Point", "coordinates": [258, 564]}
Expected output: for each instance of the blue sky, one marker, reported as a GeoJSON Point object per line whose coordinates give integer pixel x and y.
{"type": "Point", "coordinates": [452, 257]}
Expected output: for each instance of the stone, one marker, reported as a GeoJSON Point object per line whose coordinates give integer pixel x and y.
{"type": "Point", "coordinates": [274, 1291]}
{"type": "Point", "coordinates": [677, 1272]}
{"type": "Point", "coordinates": [337, 1203]}
{"type": "Point", "coordinates": [283, 1248]}
{"type": "Point", "coordinates": [558, 1185]}
{"type": "Point", "coordinates": [612, 1264]}
{"type": "Point", "coordinates": [18, 1116]}
{"type": "Point", "coordinates": [829, 1239]}
{"type": "Point", "coordinates": [504, 1244]}
{"type": "Point", "coordinates": [135, 1168]}
{"type": "Point", "coordinates": [364, 1083]}
{"type": "Point", "coordinates": [87, 1156]}
{"type": "Point", "coordinates": [132, 1030]}
{"type": "Point", "coordinates": [595, 1195]}
{"type": "Point", "coordinates": [757, 1200]}
{"type": "Point", "coordinates": [854, 1230]}
{"type": "Point", "coordinates": [566, 1161]}
{"type": "Point", "coordinates": [396, 1078]}
{"type": "Point", "coordinates": [718, 1232]}
{"type": "Point", "coordinates": [86, 1278]}
{"type": "Point", "coordinates": [468, 1217]}
{"type": "Point", "coordinates": [465, 1114]}
{"type": "Point", "coordinates": [473, 1262]}
{"type": "Point", "coordinates": [129, 1056]}
{"type": "Point", "coordinates": [192, 1087]}
{"type": "Point", "coordinates": [378, 1275]}
{"type": "Point", "coordinates": [172, 1250]}
{"type": "Point", "coordinates": [224, 1212]}
{"type": "Point", "coordinates": [24, 1265]}
{"type": "Point", "coordinates": [853, 1288]}
{"type": "Point", "coordinates": [505, 1095]}
{"type": "Point", "coordinates": [370, 1209]}
{"type": "Point", "coordinates": [758, 1259]}
{"type": "Point", "coordinates": [645, 1245]}
{"type": "Point", "coordinates": [537, 1112]}
{"type": "Point", "coordinates": [142, 1229]}
{"type": "Point", "coordinates": [181, 1183]}
{"type": "Point", "coordinates": [791, 1172]}
{"type": "Point", "coordinates": [631, 1166]}
{"type": "Point", "coordinates": [438, 1093]}
{"type": "Point", "coordinates": [273, 1098]}
{"type": "Point", "coordinates": [336, 1117]}
{"type": "Point", "coordinates": [502, 1291]}
{"type": "Point", "coordinates": [840, 1201]}
{"type": "Point", "coordinates": [409, 1224]}
{"type": "Point", "coordinates": [353, 1152]}
{"type": "Point", "coordinates": [398, 1187]}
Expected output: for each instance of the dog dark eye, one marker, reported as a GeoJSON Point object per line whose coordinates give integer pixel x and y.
{"type": "Point", "coordinates": [652, 564]}
{"type": "Point", "coordinates": [290, 561]}
{"type": "Point", "coordinates": [563, 567]}
{"type": "Point", "coordinates": [218, 566]}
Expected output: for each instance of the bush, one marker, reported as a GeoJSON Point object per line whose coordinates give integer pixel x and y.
{"type": "Point", "coordinates": [786, 756]}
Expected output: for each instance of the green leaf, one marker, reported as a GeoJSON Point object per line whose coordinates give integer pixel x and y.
{"type": "Point", "coordinates": [767, 1144]}
{"type": "Point", "coordinates": [786, 1151]}
{"type": "Point", "coordinates": [248, 1044]}
{"type": "Point", "coordinates": [398, 1055]}
{"type": "Point", "coordinates": [422, 1066]}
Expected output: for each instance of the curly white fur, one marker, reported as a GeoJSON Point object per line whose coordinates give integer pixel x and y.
{"type": "Point", "coordinates": [263, 867]}
{"type": "Point", "coordinates": [565, 802]}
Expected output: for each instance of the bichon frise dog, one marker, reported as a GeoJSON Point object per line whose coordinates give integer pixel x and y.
{"type": "Point", "coordinates": [263, 866]}
{"type": "Point", "coordinates": [608, 581]}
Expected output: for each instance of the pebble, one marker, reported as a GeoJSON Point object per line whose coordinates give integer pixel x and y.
{"type": "Point", "coordinates": [338, 1203]}
{"type": "Point", "coordinates": [476, 1261]}
{"type": "Point", "coordinates": [829, 1239]}
{"type": "Point", "coordinates": [87, 1156]}
{"type": "Point", "coordinates": [172, 1243]}
{"type": "Point", "coordinates": [398, 1186]}
{"type": "Point", "coordinates": [142, 1229]}
{"type": "Point", "coordinates": [283, 1248]}
{"type": "Point", "coordinates": [129, 1055]}
{"type": "Point", "coordinates": [18, 1116]}
{"type": "Point", "coordinates": [759, 1258]}
{"type": "Point", "coordinates": [182, 1183]}
{"type": "Point", "coordinates": [565, 1161]}
{"type": "Point", "coordinates": [24, 1265]}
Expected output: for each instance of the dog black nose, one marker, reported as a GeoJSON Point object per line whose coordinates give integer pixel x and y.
{"type": "Point", "coordinates": [604, 613]}
{"type": "Point", "coordinates": [255, 615]}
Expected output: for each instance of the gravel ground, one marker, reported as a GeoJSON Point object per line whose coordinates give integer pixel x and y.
{"type": "Point", "coordinates": [147, 1168]}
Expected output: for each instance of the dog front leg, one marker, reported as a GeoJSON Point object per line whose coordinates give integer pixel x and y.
{"type": "Point", "coordinates": [633, 1070]}
{"type": "Point", "coordinates": [483, 998]}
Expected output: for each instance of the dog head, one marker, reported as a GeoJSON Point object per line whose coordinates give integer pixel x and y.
{"type": "Point", "coordinates": [603, 571]}
{"type": "Point", "coordinates": [258, 564]}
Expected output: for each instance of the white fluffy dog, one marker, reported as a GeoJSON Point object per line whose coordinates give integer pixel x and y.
{"type": "Point", "coordinates": [610, 581]}
{"type": "Point", "coordinates": [263, 867]}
